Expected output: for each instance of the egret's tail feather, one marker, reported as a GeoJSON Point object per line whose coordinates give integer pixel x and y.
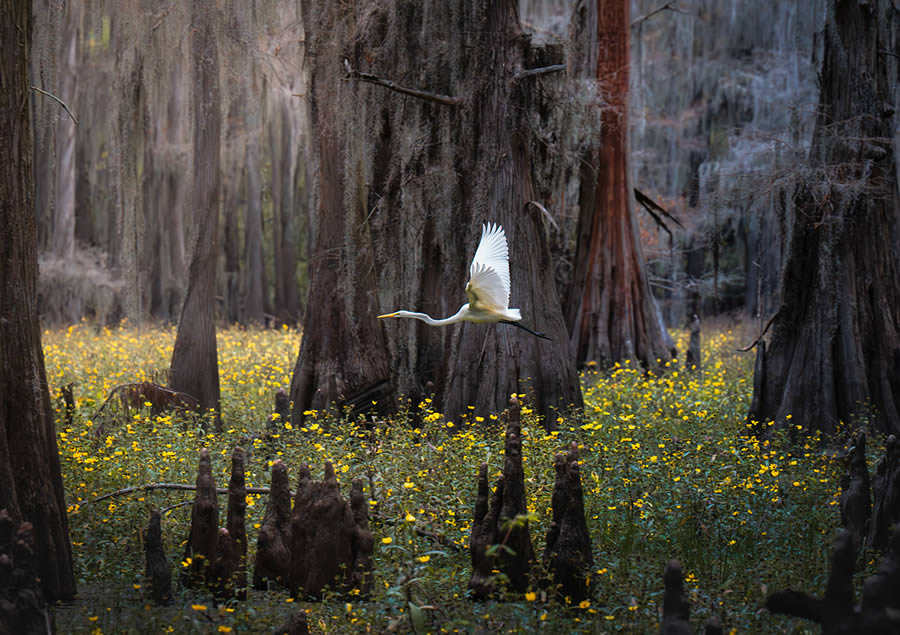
{"type": "Point", "coordinates": [525, 328]}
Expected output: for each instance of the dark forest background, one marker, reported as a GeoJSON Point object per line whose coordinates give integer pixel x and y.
{"type": "Point", "coordinates": [722, 105]}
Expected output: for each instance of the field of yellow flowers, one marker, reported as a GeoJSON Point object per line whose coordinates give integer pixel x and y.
{"type": "Point", "coordinates": [669, 471]}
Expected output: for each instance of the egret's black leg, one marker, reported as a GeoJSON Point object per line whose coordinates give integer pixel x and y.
{"type": "Point", "coordinates": [525, 328]}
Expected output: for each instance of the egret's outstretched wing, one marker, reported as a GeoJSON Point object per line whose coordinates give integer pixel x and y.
{"type": "Point", "coordinates": [489, 274]}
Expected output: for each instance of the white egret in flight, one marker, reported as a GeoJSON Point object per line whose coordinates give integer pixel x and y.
{"type": "Point", "coordinates": [488, 287]}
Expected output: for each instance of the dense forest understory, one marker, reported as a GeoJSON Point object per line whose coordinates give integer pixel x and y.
{"type": "Point", "coordinates": [668, 466]}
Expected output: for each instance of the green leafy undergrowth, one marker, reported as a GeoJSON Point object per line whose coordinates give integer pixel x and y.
{"type": "Point", "coordinates": [669, 471]}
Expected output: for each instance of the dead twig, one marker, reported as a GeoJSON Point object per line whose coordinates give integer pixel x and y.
{"type": "Point", "coordinates": [650, 14]}
{"type": "Point", "coordinates": [650, 205]}
{"type": "Point", "coordinates": [60, 101]}
{"type": "Point", "coordinates": [543, 70]}
{"type": "Point", "coordinates": [446, 100]}
{"type": "Point", "coordinates": [756, 341]}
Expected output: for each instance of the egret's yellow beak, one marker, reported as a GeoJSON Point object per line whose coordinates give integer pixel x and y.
{"type": "Point", "coordinates": [388, 314]}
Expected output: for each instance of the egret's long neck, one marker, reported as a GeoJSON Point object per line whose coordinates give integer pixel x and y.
{"type": "Point", "coordinates": [430, 320]}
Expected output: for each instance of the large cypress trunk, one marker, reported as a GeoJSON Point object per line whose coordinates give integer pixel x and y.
{"type": "Point", "coordinates": [195, 368]}
{"type": "Point", "coordinates": [834, 352]}
{"type": "Point", "coordinates": [31, 486]}
{"type": "Point", "coordinates": [420, 174]}
{"type": "Point", "coordinates": [610, 312]}
{"type": "Point", "coordinates": [342, 354]}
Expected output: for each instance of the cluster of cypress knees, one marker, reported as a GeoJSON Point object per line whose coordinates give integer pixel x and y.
{"type": "Point", "coordinates": [324, 542]}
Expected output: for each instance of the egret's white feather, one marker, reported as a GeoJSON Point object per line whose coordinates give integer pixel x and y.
{"type": "Point", "coordinates": [489, 285]}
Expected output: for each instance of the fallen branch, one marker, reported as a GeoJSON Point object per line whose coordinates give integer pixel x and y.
{"type": "Point", "coordinates": [60, 101]}
{"type": "Point", "coordinates": [169, 486]}
{"type": "Point", "coordinates": [446, 100]}
{"type": "Point", "coordinates": [160, 398]}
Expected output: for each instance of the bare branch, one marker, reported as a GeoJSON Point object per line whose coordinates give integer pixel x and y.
{"type": "Point", "coordinates": [645, 202]}
{"type": "Point", "coordinates": [662, 7]}
{"type": "Point", "coordinates": [446, 100]}
{"type": "Point", "coordinates": [756, 341]}
{"type": "Point", "coordinates": [531, 72]}
{"type": "Point", "coordinates": [649, 203]}
{"type": "Point", "coordinates": [61, 102]}
{"type": "Point", "coordinates": [546, 213]}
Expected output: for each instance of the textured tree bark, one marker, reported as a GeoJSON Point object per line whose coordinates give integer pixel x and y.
{"type": "Point", "coordinates": [501, 539]}
{"type": "Point", "coordinates": [158, 568]}
{"type": "Point", "coordinates": [284, 212]}
{"type": "Point", "coordinates": [328, 539]}
{"type": "Point", "coordinates": [231, 283]}
{"type": "Point", "coordinates": [417, 177]}
{"type": "Point", "coordinates": [63, 239]}
{"type": "Point", "coordinates": [610, 313]}
{"type": "Point", "coordinates": [236, 523]}
{"type": "Point", "coordinates": [164, 199]}
{"type": "Point", "coordinates": [195, 367]}
{"type": "Point", "coordinates": [886, 488]}
{"type": "Point", "coordinates": [342, 353]}
{"type": "Point", "coordinates": [128, 241]}
{"type": "Point", "coordinates": [856, 494]}
{"type": "Point", "coordinates": [568, 550]}
{"type": "Point", "coordinates": [200, 548]}
{"type": "Point", "coordinates": [273, 555]}
{"type": "Point", "coordinates": [834, 353]}
{"type": "Point", "coordinates": [254, 280]}
{"type": "Point", "coordinates": [31, 486]}
{"type": "Point", "coordinates": [45, 111]}
{"type": "Point", "coordinates": [23, 609]}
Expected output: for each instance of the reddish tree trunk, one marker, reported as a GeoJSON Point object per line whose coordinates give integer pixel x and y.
{"type": "Point", "coordinates": [610, 313]}
{"type": "Point", "coordinates": [31, 486]}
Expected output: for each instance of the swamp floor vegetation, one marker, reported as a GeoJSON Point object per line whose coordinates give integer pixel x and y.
{"type": "Point", "coordinates": [669, 469]}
